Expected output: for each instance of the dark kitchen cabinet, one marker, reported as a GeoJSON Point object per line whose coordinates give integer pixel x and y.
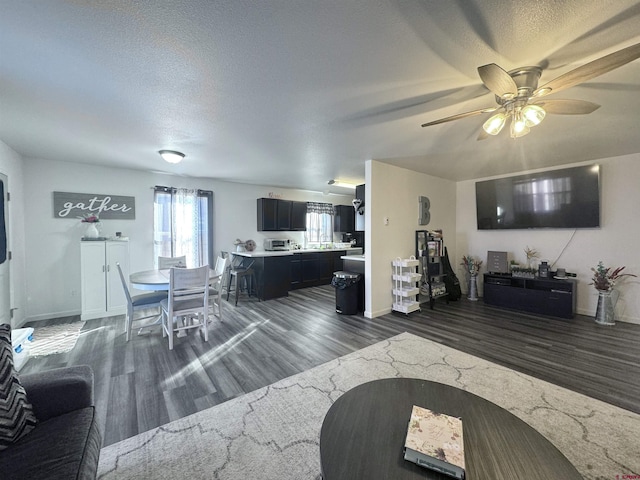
{"type": "Point", "coordinates": [267, 214]}
{"type": "Point", "coordinates": [273, 276]}
{"type": "Point", "coordinates": [299, 216]}
{"type": "Point", "coordinates": [344, 219]}
{"type": "Point", "coordinates": [281, 215]}
{"type": "Point", "coordinates": [314, 269]}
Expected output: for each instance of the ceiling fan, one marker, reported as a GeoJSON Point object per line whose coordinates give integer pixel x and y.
{"type": "Point", "coordinates": [519, 97]}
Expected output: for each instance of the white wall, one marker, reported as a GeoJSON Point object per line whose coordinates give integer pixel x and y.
{"type": "Point", "coordinates": [52, 268]}
{"type": "Point", "coordinates": [11, 166]}
{"type": "Point", "coordinates": [615, 243]}
{"type": "Point", "coordinates": [392, 192]}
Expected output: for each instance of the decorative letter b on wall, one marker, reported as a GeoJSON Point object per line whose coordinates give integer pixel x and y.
{"type": "Point", "coordinates": [424, 216]}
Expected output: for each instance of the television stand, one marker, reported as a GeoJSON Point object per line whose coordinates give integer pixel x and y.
{"type": "Point", "coordinates": [546, 296]}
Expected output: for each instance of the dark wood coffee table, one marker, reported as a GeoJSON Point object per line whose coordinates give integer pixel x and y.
{"type": "Point", "coordinates": [363, 435]}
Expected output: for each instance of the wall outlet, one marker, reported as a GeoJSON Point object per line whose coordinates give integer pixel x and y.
{"type": "Point", "coordinates": [386, 220]}
{"type": "Point", "coordinates": [74, 293]}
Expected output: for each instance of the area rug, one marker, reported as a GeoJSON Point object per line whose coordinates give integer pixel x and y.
{"type": "Point", "coordinates": [54, 338]}
{"type": "Point", "coordinates": [273, 432]}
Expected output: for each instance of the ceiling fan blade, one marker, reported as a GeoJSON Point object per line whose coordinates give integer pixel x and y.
{"type": "Point", "coordinates": [590, 70]}
{"type": "Point", "coordinates": [460, 115]}
{"type": "Point", "coordinates": [498, 81]}
{"type": "Point", "coordinates": [567, 107]}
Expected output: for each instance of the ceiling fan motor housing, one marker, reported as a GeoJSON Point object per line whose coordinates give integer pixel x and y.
{"type": "Point", "coordinates": [526, 79]}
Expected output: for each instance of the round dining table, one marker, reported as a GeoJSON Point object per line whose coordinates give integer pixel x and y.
{"type": "Point", "coordinates": [157, 279]}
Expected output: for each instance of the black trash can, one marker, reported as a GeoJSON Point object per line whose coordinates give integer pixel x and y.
{"type": "Point", "coordinates": [347, 285]}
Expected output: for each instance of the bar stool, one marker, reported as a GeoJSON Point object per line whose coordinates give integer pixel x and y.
{"type": "Point", "coordinates": [240, 272]}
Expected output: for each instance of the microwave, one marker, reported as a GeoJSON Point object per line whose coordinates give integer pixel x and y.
{"type": "Point", "coordinates": [276, 244]}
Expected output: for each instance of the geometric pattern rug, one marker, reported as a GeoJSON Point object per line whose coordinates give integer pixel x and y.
{"type": "Point", "coordinates": [52, 339]}
{"type": "Point", "coordinates": [274, 432]}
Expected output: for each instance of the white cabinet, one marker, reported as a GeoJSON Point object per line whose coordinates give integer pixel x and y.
{"type": "Point", "coordinates": [102, 293]}
{"type": "Point", "coordinates": [405, 290]}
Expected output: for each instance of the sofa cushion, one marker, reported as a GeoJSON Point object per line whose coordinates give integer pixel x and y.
{"type": "Point", "coordinates": [16, 413]}
{"type": "Point", "coordinates": [66, 447]}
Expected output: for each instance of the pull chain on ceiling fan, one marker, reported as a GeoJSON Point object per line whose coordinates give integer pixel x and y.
{"type": "Point", "coordinates": [518, 95]}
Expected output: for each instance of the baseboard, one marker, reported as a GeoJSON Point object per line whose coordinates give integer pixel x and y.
{"type": "Point", "coordinates": [377, 313]}
{"type": "Point", "coordinates": [48, 316]}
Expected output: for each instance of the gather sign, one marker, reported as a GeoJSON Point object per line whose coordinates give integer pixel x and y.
{"type": "Point", "coordinates": [74, 205]}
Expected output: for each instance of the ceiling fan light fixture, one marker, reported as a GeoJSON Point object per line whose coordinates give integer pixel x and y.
{"type": "Point", "coordinates": [495, 123]}
{"type": "Point", "coordinates": [171, 156]}
{"type": "Point", "coordinates": [519, 127]}
{"type": "Point", "coordinates": [533, 115]}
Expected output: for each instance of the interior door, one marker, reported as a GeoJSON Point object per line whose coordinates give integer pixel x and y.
{"type": "Point", "coordinates": [5, 285]}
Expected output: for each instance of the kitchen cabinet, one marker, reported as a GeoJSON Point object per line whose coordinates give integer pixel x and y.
{"type": "Point", "coordinates": [299, 216]}
{"type": "Point", "coordinates": [314, 269]}
{"type": "Point", "coordinates": [273, 275]}
{"type": "Point", "coordinates": [281, 215]}
{"type": "Point", "coordinates": [344, 219]}
{"type": "Point", "coordinates": [101, 288]}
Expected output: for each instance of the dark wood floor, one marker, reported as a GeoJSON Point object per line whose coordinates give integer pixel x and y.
{"type": "Point", "coordinates": [141, 384]}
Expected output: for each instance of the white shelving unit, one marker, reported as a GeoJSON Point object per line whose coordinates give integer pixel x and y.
{"type": "Point", "coordinates": [405, 290]}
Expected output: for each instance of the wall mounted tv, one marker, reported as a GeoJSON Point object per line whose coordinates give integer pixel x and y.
{"type": "Point", "coordinates": [565, 198]}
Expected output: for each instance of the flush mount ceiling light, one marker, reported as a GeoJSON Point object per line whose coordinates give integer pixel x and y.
{"type": "Point", "coordinates": [338, 183]}
{"type": "Point", "coordinates": [171, 156]}
{"type": "Point", "coordinates": [519, 97]}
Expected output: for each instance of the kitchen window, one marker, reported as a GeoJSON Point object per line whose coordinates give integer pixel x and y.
{"type": "Point", "coordinates": [182, 225]}
{"type": "Point", "coordinates": [319, 223]}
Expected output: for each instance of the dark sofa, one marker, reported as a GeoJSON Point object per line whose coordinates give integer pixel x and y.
{"type": "Point", "coordinates": [66, 441]}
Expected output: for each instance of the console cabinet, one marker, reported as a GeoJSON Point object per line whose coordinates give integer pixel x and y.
{"type": "Point", "coordinates": [101, 288]}
{"type": "Point", "coordinates": [545, 296]}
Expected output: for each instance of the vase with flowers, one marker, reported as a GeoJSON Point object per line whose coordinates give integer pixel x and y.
{"type": "Point", "coordinates": [91, 220]}
{"type": "Point", "coordinates": [604, 279]}
{"type": "Point", "coordinates": [472, 266]}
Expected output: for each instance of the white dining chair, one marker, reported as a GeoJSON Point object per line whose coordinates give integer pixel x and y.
{"type": "Point", "coordinates": [187, 305]}
{"type": "Point", "coordinates": [168, 262]}
{"type": "Point", "coordinates": [137, 303]}
{"type": "Point", "coordinates": [217, 287]}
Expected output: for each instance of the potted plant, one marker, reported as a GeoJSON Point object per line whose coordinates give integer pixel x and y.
{"type": "Point", "coordinates": [472, 266]}
{"type": "Point", "coordinates": [604, 279]}
{"type": "Point", "coordinates": [92, 220]}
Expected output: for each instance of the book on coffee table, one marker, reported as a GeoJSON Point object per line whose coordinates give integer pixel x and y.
{"type": "Point", "coordinates": [434, 440]}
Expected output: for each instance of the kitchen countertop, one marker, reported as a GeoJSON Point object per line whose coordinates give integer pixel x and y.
{"type": "Point", "coordinates": [282, 253]}
{"type": "Point", "coordinates": [355, 258]}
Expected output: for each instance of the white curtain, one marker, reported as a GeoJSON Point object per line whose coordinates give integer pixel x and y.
{"type": "Point", "coordinates": [181, 225]}
{"type": "Point", "coordinates": [185, 227]}
{"type": "Point", "coordinates": [319, 222]}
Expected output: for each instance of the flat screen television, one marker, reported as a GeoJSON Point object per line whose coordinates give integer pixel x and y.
{"type": "Point", "coordinates": [565, 198]}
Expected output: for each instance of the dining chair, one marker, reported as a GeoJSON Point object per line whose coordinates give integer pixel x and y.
{"type": "Point", "coordinates": [216, 289]}
{"type": "Point", "coordinates": [137, 303]}
{"type": "Point", "coordinates": [188, 300]}
{"type": "Point", "coordinates": [168, 262]}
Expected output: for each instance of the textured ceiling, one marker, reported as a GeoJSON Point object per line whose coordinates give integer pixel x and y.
{"type": "Point", "coordinates": [293, 93]}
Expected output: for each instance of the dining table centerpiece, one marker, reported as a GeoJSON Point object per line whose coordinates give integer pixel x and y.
{"type": "Point", "coordinates": [91, 220]}
{"type": "Point", "coordinates": [604, 280]}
